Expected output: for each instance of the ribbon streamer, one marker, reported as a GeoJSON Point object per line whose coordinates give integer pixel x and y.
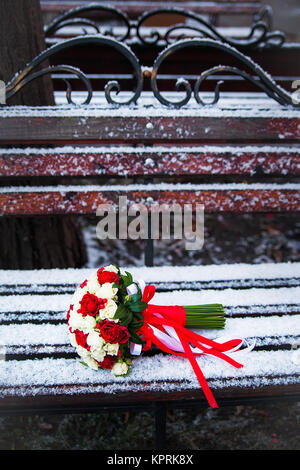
{"type": "Point", "coordinates": [164, 326]}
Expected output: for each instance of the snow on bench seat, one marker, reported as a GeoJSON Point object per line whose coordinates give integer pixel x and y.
{"type": "Point", "coordinates": [236, 276]}
{"type": "Point", "coordinates": [237, 271]}
{"type": "Point", "coordinates": [85, 199]}
{"type": "Point", "coordinates": [160, 160]}
{"type": "Point", "coordinates": [236, 119]}
{"type": "Point", "coordinates": [42, 368]}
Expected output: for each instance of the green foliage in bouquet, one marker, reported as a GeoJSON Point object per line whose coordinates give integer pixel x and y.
{"type": "Point", "coordinates": [130, 308]}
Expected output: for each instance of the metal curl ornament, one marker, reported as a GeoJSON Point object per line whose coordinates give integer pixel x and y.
{"type": "Point", "coordinates": [259, 34]}
{"type": "Point", "coordinates": [27, 75]}
{"type": "Point", "coordinates": [13, 87]}
{"type": "Point", "coordinates": [264, 81]}
{"type": "Point", "coordinates": [72, 17]}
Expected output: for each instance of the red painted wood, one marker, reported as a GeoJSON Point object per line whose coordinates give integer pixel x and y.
{"type": "Point", "coordinates": [139, 7]}
{"type": "Point", "coordinates": [120, 163]}
{"type": "Point", "coordinates": [86, 202]}
{"type": "Point", "coordinates": [164, 128]}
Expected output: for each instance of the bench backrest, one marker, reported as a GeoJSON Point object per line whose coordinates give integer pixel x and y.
{"type": "Point", "coordinates": [240, 155]}
{"type": "Point", "coordinates": [157, 27]}
{"type": "Point", "coordinates": [135, 8]}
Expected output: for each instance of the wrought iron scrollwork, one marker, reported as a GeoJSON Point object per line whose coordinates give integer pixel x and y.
{"type": "Point", "coordinates": [28, 74]}
{"type": "Point", "coordinates": [112, 89]}
{"type": "Point", "coordinates": [259, 35]}
{"type": "Point", "coordinates": [74, 17]}
{"type": "Point", "coordinates": [260, 79]}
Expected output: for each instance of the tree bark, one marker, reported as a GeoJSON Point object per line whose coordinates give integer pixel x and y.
{"type": "Point", "coordinates": [32, 242]}
{"type": "Point", "coordinates": [21, 40]}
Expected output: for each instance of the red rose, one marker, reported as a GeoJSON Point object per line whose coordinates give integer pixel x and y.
{"type": "Point", "coordinates": [108, 362]}
{"type": "Point", "coordinates": [83, 284]}
{"type": "Point", "coordinates": [81, 339]}
{"type": "Point", "coordinates": [112, 332]}
{"type": "Point", "coordinates": [90, 305]}
{"type": "Point", "coordinates": [107, 276]}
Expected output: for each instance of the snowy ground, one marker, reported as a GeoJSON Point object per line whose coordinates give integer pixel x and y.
{"type": "Point", "coordinates": [249, 238]}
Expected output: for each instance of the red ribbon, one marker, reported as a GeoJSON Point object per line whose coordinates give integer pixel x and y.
{"type": "Point", "coordinates": [176, 318]}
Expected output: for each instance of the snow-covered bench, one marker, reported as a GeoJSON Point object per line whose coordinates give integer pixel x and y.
{"type": "Point", "coordinates": [208, 153]}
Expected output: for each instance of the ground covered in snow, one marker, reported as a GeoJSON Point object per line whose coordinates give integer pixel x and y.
{"type": "Point", "coordinates": [248, 238]}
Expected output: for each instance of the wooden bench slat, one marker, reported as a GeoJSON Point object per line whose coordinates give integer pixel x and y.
{"type": "Point", "coordinates": [65, 350]}
{"type": "Point", "coordinates": [190, 273]}
{"type": "Point", "coordinates": [228, 297]}
{"type": "Point", "coordinates": [154, 160]}
{"type": "Point", "coordinates": [244, 198]}
{"type": "Point", "coordinates": [194, 278]}
{"type": "Point", "coordinates": [263, 327]}
{"type": "Point", "coordinates": [59, 317]}
{"type": "Point", "coordinates": [173, 129]}
{"type": "Point", "coordinates": [160, 286]}
{"type": "Point", "coordinates": [231, 121]}
{"type": "Point", "coordinates": [137, 8]}
{"type": "Point", "coordinates": [59, 379]}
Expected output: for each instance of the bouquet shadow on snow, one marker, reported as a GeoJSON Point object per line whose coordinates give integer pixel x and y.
{"type": "Point", "coordinates": [110, 321]}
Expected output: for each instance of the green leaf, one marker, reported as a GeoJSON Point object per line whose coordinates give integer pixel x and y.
{"type": "Point", "coordinates": [126, 320]}
{"type": "Point", "coordinates": [135, 338]}
{"type": "Point", "coordinates": [139, 306]}
{"type": "Point", "coordinates": [136, 324]}
{"type": "Point", "coordinates": [138, 316]}
{"type": "Point", "coordinates": [129, 275]}
{"type": "Point", "coordinates": [121, 312]}
{"type": "Point", "coordinates": [127, 279]}
{"type": "Point", "coordinates": [136, 297]}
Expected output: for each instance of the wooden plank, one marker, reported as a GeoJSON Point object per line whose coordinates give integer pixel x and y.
{"type": "Point", "coordinates": [66, 350]}
{"type": "Point", "coordinates": [155, 161]}
{"type": "Point", "coordinates": [235, 127]}
{"type": "Point", "coordinates": [79, 200]}
{"type": "Point", "coordinates": [134, 8]}
{"type": "Point", "coordinates": [88, 401]}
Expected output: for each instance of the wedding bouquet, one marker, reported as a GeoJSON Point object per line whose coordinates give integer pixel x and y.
{"type": "Point", "coordinates": [111, 320]}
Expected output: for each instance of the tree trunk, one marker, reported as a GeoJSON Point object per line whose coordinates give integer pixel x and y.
{"type": "Point", "coordinates": [32, 242]}
{"type": "Point", "coordinates": [21, 40]}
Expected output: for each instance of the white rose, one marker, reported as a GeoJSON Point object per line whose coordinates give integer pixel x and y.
{"type": "Point", "coordinates": [120, 368]}
{"type": "Point", "coordinates": [84, 353]}
{"type": "Point", "coordinates": [93, 285]}
{"type": "Point", "coordinates": [109, 311]}
{"type": "Point", "coordinates": [79, 293]}
{"type": "Point", "coordinates": [106, 291]}
{"type": "Point", "coordinates": [78, 322]}
{"type": "Point", "coordinates": [97, 354]}
{"type": "Point", "coordinates": [111, 349]}
{"type": "Point", "coordinates": [75, 320]}
{"type": "Point", "coordinates": [91, 363]}
{"type": "Point", "coordinates": [88, 323]}
{"type": "Point", "coordinates": [95, 340]}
